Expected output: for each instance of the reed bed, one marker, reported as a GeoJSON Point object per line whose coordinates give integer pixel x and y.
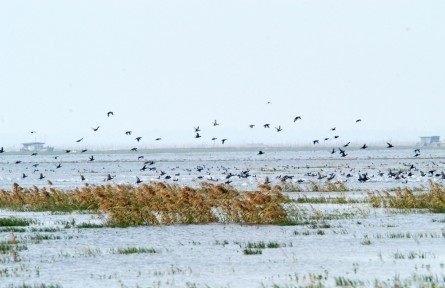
{"type": "Point", "coordinates": [432, 198]}
{"type": "Point", "coordinates": [156, 203]}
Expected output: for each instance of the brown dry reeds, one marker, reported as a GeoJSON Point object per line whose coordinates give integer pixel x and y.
{"type": "Point", "coordinates": [156, 203]}
{"type": "Point", "coordinates": [432, 198]}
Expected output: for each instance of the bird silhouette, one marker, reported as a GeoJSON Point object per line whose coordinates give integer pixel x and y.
{"type": "Point", "coordinates": [333, 151]}
{"type": "Point", "coordinates": [59, 166]}
{"type": "Point", "coordinates": [110, 113]}
{"type": "Point", "coordinates": [128, 133]}
{"type": "Point", "coordinates": [95, 129]}
{"type": "Point", "coordinates": [336, 136]}
{"type": "Point", "coordinates": [315, 142]}
{"type": "Point", "coordinates": [134, 149]}
{"type": "Point", "coordinates": [223, 140]}
{"type": "Point", "coordinates": [138, 180]}
{"type": "Point", "coordinates": [109, 177]}
{"type": "Point", "coordinates": [34, 154]}
{"type": "Point", "coordinates": [138, 138]}
{"type": "Point", "coordinates": [32, 132]}
{"type": "Point", "coordinates": [197, 129]}
{"type": "Point", "coordinates": [82, 177]}
{"type": "Point", "coordinates": [333, 128]}
{"type": "Point", "coordinates": [215, 123]}
{"type": "Point", "coordinates": [260, 152]}
{"type": "Point", "coordinates": [197, 135]}
{"type": "Point", "coordinates": [84, 150]}
{"type": "Point", "coordinates": [389, 145]}
{"type": "Point", "coordinates": [347, 144]}
{"type": "Point", "coordinates": [157, 139]}
{"type": "Point", "coordinates": [18, 162]}
{"type": "Point", "coordinates": [79, 140]}
{"type": "Point", "coordinates": [364, 146]}
{"type": "Point", "coordinates": [251, 125]}
{"type": "Point", "coordinates": [296, 118]}
{"type": "Point", "coordinates": [92, 158]}
{"type": "Point", "coordinates": [2, 150]}
{"type": "Point", "coordinates": [358, 120]}
{"type": "Point", "coordinates": [266, 125]}
{"type": "Point", "coordinates": [67, 151]}
{"type": "Point", "coordinates": [24, 176]}
{"type": "Point", "coordinates": [214, 138]}
{"type": "Point", "coordinates": [279, 128]}
{"type": "Point", "coordinates": [41, 176]}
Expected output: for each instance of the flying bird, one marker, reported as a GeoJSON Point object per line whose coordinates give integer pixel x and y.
{"type": "Point", "coordinates": [138, 138]}
{"type": "Point", "coordinates": [83, 151]}
{"type": "Point", "coordinates": [389, 145]}
{"type": "Point", "coordinates": [82, 177]}
{"type": "Point", "coordinates": [214, 138]}
{"type": "Point", "coordinates": [59, 166]}
{"type": "Point", "coordinates": [34, 154]}
{"type": "Point", "coordinates": [296, 118]}
{"type": "Point", "coordinates": [134, 149]}
{"type": "Point", "coordinates": [41, 176]}
{"type": "Point", "coordinates": [2, 150]}
{"type": "Point", "coordinates": [128, 133]}
{"type": "Point", "coordinates": [215, 123]}
{"type": "Point", "coordinates": [24, 176]}
{"type": "Point", "coordinates": [347, 144]}
{"type": "Point", "coordinates": [157, 139]}
{"type": "Point", "coordinates": [138, 180]}
{"type": "Point", "coordinates": [95, 129]}
{"type": "Point", "coordinates": [197, 129]}
{"type": "Point", "coordinates": [223, 140]}
{"type": "Point", "coordinates": [364, 146]}
{"type": "Point", "coordinates": [109, 177]}
{"type": "Point", "coordinates": [260, 152]}
{"type": "Point", "coordinates": [92, 158]}
{"type": "Point", "coordinates": [266, 125]}
{"type": "Point", "coordinates": [315, 142]}
{"type": "Point", "coordinates": [251, 125]}
{"type": "Point", "coordinates": [279, 128]}
{"type": "Point", "coordinates": [358, 120]}
{"type": "Point", "coordinates": [110, 113]}
{"type": "Point", "coordinates": [79, 140]}
{"type": "Point", "coordinates": [197, 135]}
{"type": "Point", "coordinates": [333, 129]}
{"type": "Point", "coordinates": [67, 151]}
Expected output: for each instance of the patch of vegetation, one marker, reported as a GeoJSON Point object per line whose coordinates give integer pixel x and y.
{"type": "Point", "coordinates": [12, 221]}
{"type": "Point", "coordinates": [135, 250]}
{"type": "Point", "coordinates": [432, 198]}
{"type": "Point", "coordinates": [249, 251]}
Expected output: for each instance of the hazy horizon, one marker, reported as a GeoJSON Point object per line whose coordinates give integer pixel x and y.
{"type": "Point", "coordinates": [165, 67]}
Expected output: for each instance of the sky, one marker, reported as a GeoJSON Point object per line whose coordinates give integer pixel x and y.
{"type": "Point", "coordinates": [164, 67]}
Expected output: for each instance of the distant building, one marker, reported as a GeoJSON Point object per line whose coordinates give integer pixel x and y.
{"type": "Point", "coordinates": [36, 146]}
{"type": "Point", "coordinates": [430, 140]}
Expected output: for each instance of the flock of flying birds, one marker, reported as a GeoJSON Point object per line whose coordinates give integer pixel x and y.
{"type": "Point", "coordinates": [148, 165]}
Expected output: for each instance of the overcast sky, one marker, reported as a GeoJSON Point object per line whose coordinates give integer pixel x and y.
{"type": "Point", "coordinates": [164, 67]}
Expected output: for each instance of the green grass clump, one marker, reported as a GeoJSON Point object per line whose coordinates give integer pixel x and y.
{"type": "Point", "coordinates": [135, 250]}
{"type": "Point", "coordinates": [249, 251]}
{"type": "Point", "coordinates": [90, 225]}
{"type": "Point", "coordinates": [12, 221]}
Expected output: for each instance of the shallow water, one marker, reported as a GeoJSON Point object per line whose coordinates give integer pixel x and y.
{"type": "Point", "coordinates": [213, 254]}
{"type": "Point", "coordinates": [353, 242]}
{"type": "Point", "coordinates": [181, 167]}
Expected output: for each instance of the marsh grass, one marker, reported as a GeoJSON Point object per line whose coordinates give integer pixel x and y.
{"type": "Point", "coordinates": [156, 203]}
{"type": "Point", "coordinates": [328, 186]}
{"type": "Point", "coordinates": [12, 221]}
{"type": "Point", "coordinates": [135, 250]}
{"type": "Point", "coordinates": [249, 251]}
{"type": "Point", "coordinates": [431, 198]}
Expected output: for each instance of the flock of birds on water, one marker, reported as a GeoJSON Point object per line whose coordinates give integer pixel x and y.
{"type": "Point", "coordinates": [205, 173]}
